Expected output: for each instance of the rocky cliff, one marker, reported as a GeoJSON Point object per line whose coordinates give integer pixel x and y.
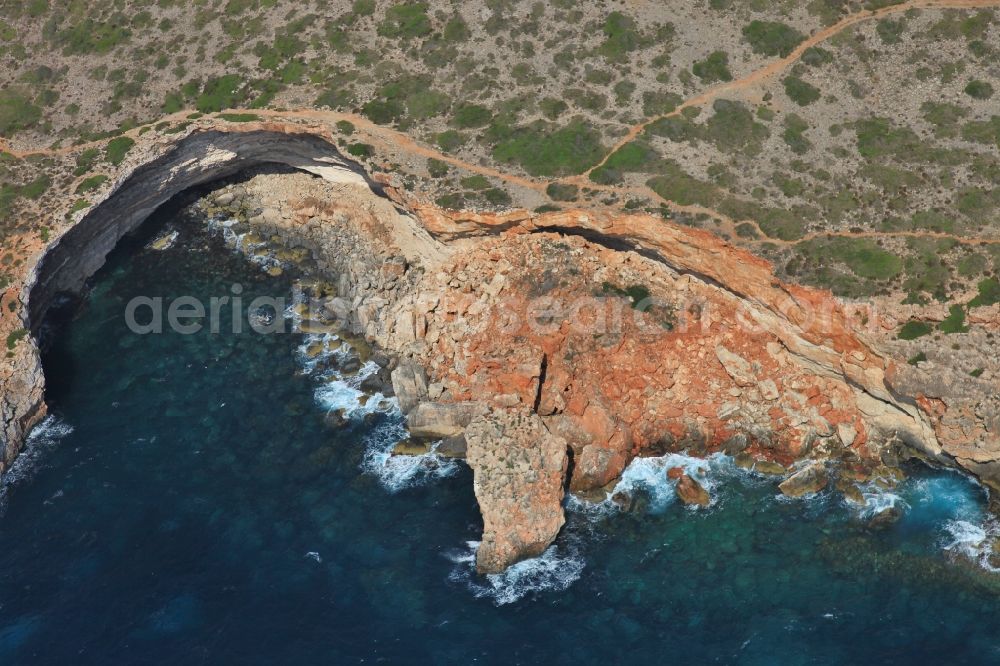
{"type": "Point", "coordinates": [561, 345]}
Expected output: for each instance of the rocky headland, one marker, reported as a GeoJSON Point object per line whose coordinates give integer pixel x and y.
{"type": "Point", "coordinates": [550, 349]}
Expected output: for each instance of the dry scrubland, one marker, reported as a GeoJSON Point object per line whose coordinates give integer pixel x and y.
{"type": "Point", "coordinates": [865, 163]}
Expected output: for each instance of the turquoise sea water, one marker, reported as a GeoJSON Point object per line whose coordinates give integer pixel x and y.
{"type": "Point", "coordinates": [188, 502]}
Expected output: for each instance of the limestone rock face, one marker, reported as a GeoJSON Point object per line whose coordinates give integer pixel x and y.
{"type": "Point", "coordinates": [21, 401]}
{"type": "Point", "coordinates": [519, 468]}
{"type": "Point", "coordinates": [409, 382]}
{"type": "Point", "coordinates": [439, 420]}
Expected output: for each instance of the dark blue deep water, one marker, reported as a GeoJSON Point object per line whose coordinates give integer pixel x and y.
{"type": "Point", "coordinates": [188, 502]}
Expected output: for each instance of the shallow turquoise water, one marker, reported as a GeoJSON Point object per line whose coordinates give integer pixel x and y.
{"type": "Point", "coordinates": [188, 502]}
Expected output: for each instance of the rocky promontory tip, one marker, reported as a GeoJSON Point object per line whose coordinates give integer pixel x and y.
{"type": "Point", "coordinates": [519, 468]}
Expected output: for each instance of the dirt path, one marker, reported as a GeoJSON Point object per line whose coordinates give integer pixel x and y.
{"type": "Point", "coordinates": [395, 141]}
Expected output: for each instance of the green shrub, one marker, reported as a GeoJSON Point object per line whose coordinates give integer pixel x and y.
{"type": "Point", "coordinates": [428, 103]}
{"type": "Point", "coordinates": [345, 127]}
{"type": "Point", "coordinates": [360, 150]}
{"type": "Point", "coordinates": [472, 115]}
{"type": "Point", "coordinates": [973, 264]}
{"type": "Point", "coordinates": [713, 68]}
{"type": "Point", "coordinates": [437, 168]}
{"type": "Point", "coordinates": [220, 93]}
{"type": "Point", "coordinates": [383, 112]}
{"type": "Point", "coordinates": [497, 197]}
{"type": "Point", "coordinates": [985, 131]}
{"type": "Point", "coordinates": [238, 117]}
{"type": "Point", "coordinates": [673, 184]}
{"type": "Point", "coordinates": [890, 31]}
{"type": "Point", "coordinates": [944, 116]}
{"type": "Point", "coordinates": [453, 201]}
{"type": "Point", "coordinates": [620, 37]}
{"type": "Point", "coordinates": [955, 321]}
{"type": "Point", "coordinates": [989, 293]}
{"type": "Point", "coordinates": [172, 103]}
{"type": "Point", "coordinates": [405, 20]}
{"type": "Point", "coordinates": [815, 56]}
{"type": "Point", "coordinates": [862, 255]}
{"type": "Point", "coordinates": [732, 128]}
{"type": "Point", "coordinates": [14, 337]}
{"type": "Point", "coordinates": [456, 30]}
{"type": "Point", "coordinates": [979, 89]}
{"type": "Point", "coordinates": [476, 182]}
{"type": "Point", "coordinates": [799, 91]}
{"type": "Point", "coordinates": [914, 329]}
{"type": "Point", "coordinates": [562, 192]}
{"type": "Point", "coordinates": [772, 38]}
{"type": "Point", "coordinates": [552, 108]}
{"type": "Point", "coordinates": [36, 188]}
{"type": "Point", "coordinates": [16, 111]}
{"type": "Point", "coordinates": [919, 358]}
{"type": "Point", "coordinates": [449, 140]}
{"type": "Point", "coordinates": [658, 104]}
{"type": "Point", "coordinates": [543, 151]}
{"type": "Point", "coordinates": [117, 148]}
{"type": "Point", "coordinates": [90, 37]}
{"type": "Point", "coordinates": [91, 183]}
{"type": "Point", "coordinates": [794, 134]}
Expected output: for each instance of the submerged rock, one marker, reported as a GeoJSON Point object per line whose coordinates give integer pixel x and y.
{"type": "Point", "coordinates": [807, 481]}
{"type": "Point", "coordinates": [885, 517]}
{"type": "Point", "coordinates": [518, 472]}
{"type": "Point", "coordinates": [691, 492]}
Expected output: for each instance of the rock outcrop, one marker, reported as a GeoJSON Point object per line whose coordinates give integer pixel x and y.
{"type": "Point", "coordinates": [691, 492]}
{"type": "Point", "coordinates": [519, 468]}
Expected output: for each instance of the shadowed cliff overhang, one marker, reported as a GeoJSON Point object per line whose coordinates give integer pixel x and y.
{"type": "Point", "coordinates": [199, 158]}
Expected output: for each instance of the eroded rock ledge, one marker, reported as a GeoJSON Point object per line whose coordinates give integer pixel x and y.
{"type": "Point", "coordinates": [564, 341]}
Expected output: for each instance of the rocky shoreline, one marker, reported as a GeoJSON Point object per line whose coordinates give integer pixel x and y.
{"type": "Point", "coordinates": [549, 349]}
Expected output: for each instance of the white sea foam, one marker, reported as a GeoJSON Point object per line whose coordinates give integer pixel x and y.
{"type": "Point", "coordinates": [554, 570]}
{"type": "Point", "coordinates": [878, 500]}
{"type": "Point", "coordinates": [43, 438]}
{"type": "Point", "coordinates": [649, 475]}
{"type": "Point", "coordinates": [397, 473]}
{"type": "Point", "coordinates": [966, 538]}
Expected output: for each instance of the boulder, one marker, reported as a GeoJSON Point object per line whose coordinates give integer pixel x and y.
{"type": "Point", "coordinates": [518, 471]}
{"type": "Point", "coordinates": [409, 447]}
{"type": "Point", "coordinates": [436, 420]}
{"type": "Point", "coordinates": [595, 467]}
{"type": "Point", "coordinates": [770, 468]}
{"type": "Point", "coordinates": [409, 382]}
{"type": "Point", "coordinates": [806, 481]}
{"type": "Point", "coordinates": [691, 492]}
{"type": "Point", "coordinates": [675, 473]}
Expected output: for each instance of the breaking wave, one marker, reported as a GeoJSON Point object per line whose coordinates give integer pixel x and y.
{"type": "Point", "coordinates": [649, 475]}
{"type": "Point", "coordinates": [43, 438]}
{"type": "Point", "coordinates": [399, 472]}
{"type": "Point", "coordinates": [554, 570]}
